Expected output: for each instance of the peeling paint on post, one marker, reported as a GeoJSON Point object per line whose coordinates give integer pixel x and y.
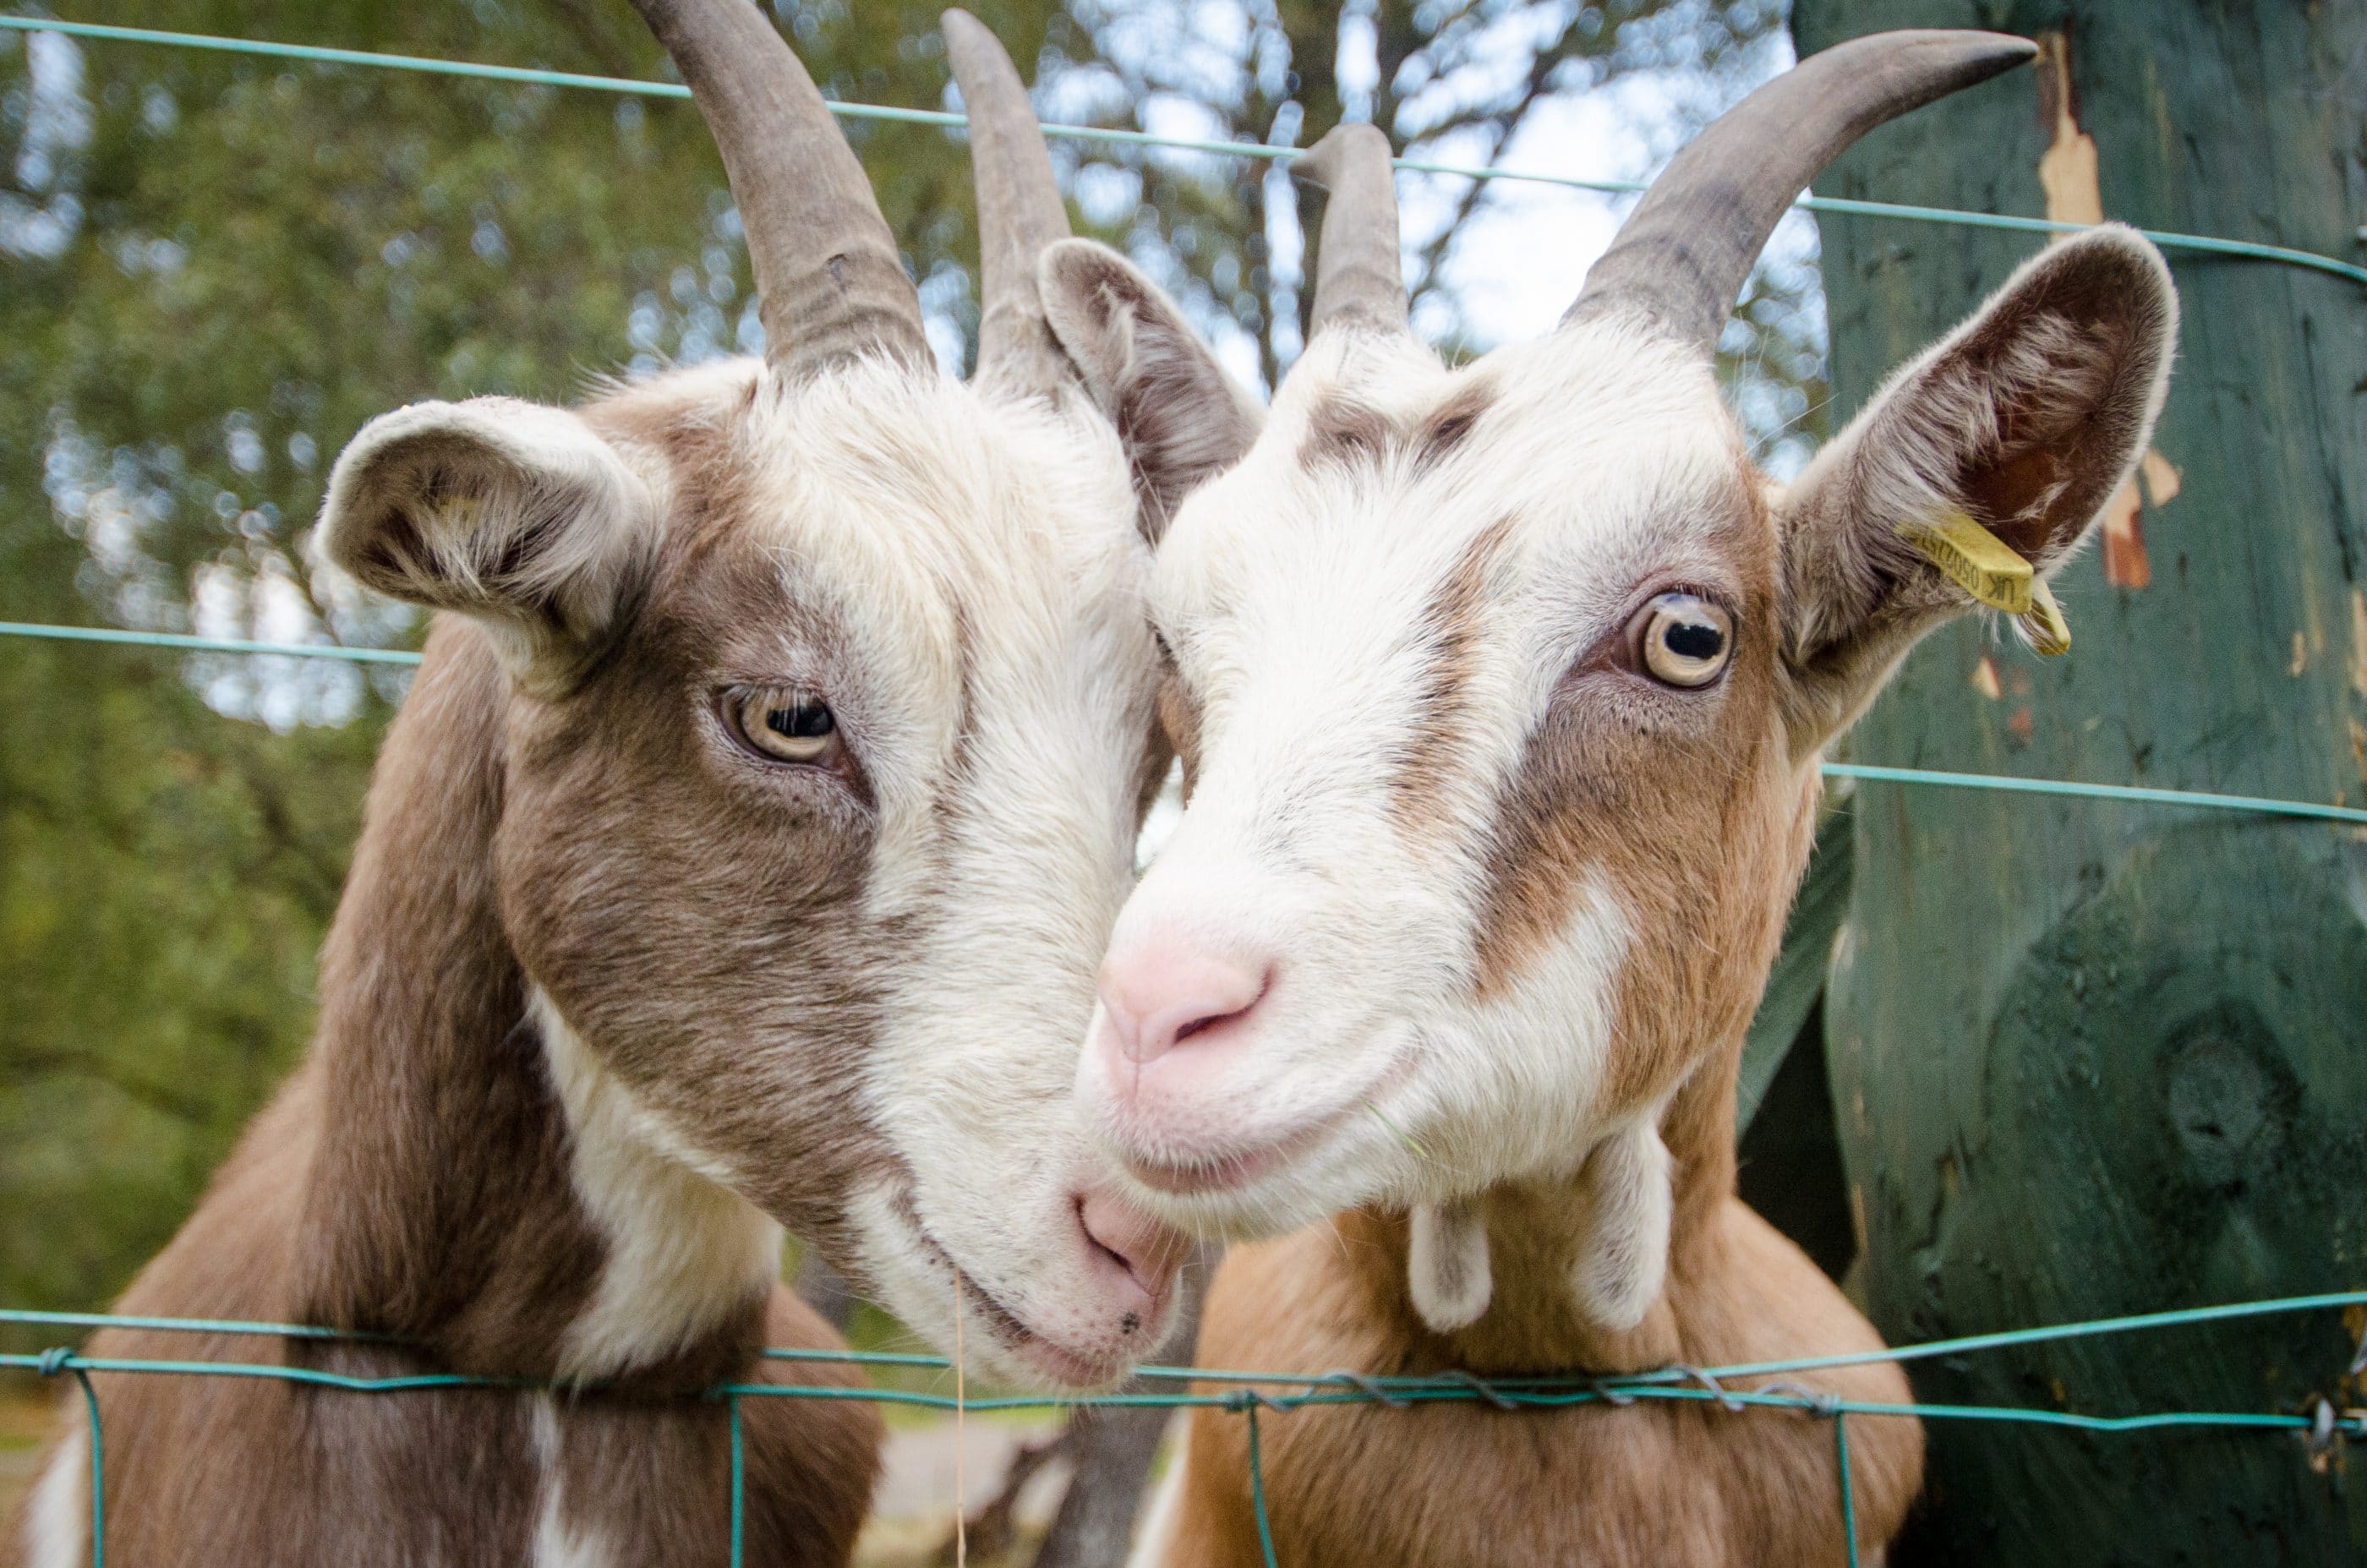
{"type": "Point", "coordinates": [2091, 1059]}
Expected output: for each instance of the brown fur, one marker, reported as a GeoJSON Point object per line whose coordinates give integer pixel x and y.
{"type": "Point", "coordinates": [1452, 630]}
{"type": "Point", "coordinates": [1341, 430]}
{"type": "Point", "coordinates": [440, 1210]}
{"type": "Point", "coordinates": [1448, 1486]}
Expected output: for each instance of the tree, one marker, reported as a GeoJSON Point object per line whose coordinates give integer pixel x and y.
{"type": "Point", "coordinates": [2091, 1059]}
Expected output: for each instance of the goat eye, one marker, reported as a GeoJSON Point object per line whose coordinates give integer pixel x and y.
{"type": "Point", "coordinates": [788, 727]}
{"type": "Point", "coordinates": [1684, 641]}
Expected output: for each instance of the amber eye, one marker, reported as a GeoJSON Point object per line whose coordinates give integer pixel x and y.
{"type": "Point", "coordinates": [1683, 639]}
{"type": "Point", "coordinates": [788, 726]}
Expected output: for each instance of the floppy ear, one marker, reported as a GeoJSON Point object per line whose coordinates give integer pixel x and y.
{"type": "Point", "coordinates": [1182, 419]}
{"type": "Point", "coordinates": [512, 513]}
{"type": "Point", "coordinates": [2027, 418]}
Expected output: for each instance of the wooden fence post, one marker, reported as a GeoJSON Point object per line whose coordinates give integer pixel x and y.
{"type": "Point", "coordinates": [2091, 1059]}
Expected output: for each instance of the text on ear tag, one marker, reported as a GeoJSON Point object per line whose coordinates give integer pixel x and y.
{"type": "Point", "coordinates": [1976, 561]}
{"type": "Point", "coordinates": [2048, 632]}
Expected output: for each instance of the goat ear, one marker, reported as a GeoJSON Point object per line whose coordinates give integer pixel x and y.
{"type": "Point", "coordinates": [512, 513]}
{"type": "Point", "coordinates": [1182, 419]}
{"type": "Point", "coordinates": [2028, 418]}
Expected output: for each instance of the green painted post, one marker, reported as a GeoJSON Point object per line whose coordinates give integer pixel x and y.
{"type": "Point", "coordinates": [2091, 1059]}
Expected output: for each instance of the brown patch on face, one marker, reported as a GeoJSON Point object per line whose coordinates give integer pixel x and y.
{"type": "Point", "coordinates": [1179, 720]}
{"type": "Point", "coordinates": [1342, 432]}
{"type": "Point", "coordinates": [696, 913]}
{"type": "Point", "coordinates": [1450, 425]}
{"type": "Point", "coordinates": [1681, 805]}
{"type": "Point", "coordinates": [1437, 727]}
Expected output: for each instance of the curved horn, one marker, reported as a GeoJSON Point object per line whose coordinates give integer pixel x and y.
{"type": "Point", "coordinates": [830, 284]}
{"type": "Point", "coordinates": [1358, 274]}
{"type": "Point", "coordinates": [1684, 253]}
{"type": "Point", "coordinates": [1019, 211]}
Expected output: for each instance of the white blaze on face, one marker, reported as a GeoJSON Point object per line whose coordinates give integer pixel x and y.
{"type": "Point", "coordinates": [1371, 644]}
{"type": "Point", "coordinates": [1005, 605]}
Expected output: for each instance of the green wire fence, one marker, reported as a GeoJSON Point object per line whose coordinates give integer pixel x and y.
{"type": "Point", "coordinates": [2320, 1425]}
{"type": "Point", "coordinates": [2131, 794]}
{"type": "Point", "coordinates": [530, 76]}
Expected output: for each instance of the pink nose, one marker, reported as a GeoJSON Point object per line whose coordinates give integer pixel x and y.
{"type": "Point", "coordinates": [1148, 1251]}
{"type": "Point", "coordinates": [1157, 998]}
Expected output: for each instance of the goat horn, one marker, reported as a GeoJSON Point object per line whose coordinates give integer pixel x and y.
{"type": "Point", "coordinates": [1358, 275]}
{"type": "Point", "coordinates": [1019, 211]}
{"type": "Point", "coordinates": [1684, 253]}
{"type": "Point", "coordinates": [830, 284]}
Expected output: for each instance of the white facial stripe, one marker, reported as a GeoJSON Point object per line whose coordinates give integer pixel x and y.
{"type": "Point", "coordinates": [683, 1249]}
{"type": "Point", "coordinates": [1003, 674]}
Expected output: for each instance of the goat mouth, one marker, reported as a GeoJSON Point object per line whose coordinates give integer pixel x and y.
{"type": "Point", "coordinates": [1230, 1171]}
{"type": "Point", "coordinates": [1009, 1332]}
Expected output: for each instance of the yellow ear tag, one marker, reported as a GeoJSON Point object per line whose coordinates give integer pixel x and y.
{"type": "Point", "coordinates": [2049, 633]}
{"type": "Point", "coordinates": [1977, 562]}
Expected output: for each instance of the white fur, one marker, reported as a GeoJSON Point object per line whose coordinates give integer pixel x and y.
{"type": "Point", "coordinates": [1447, 1264]}
{"type": "Point", "coordinates": [57, 1519]}
{"type": "Point", "coordinates": [1626, 1259]}
{"type": "Point", "coordinates": [1296, 600]}
{"type": "Point", "coordinates": [683, 1250]}
{"type": "Point", "coordinates": [557, 1544]}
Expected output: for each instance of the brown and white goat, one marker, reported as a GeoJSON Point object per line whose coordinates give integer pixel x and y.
{"type": "Point", "coordinates": [1502, 691]}
{"type": "Point", "coordinates": [740, 859]}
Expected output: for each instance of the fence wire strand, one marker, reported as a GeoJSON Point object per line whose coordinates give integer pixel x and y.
{"type": "Point", "coordinates": [534, 76]}
{"type": "Point", "coordinates": [1249, 1393]}
{"type": "Point", "coordinates": [2138, 795]}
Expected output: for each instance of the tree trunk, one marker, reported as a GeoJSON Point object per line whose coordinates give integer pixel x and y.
{"type": "Point", "coordinates": [2092, 1058]}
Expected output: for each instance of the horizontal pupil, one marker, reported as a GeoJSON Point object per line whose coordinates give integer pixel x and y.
{"type": "Point", "coordinates": [806, 721]}
{"type": "Point", "coordinates": [1695, 640]}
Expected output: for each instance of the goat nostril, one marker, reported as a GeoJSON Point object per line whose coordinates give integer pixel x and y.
{"type": "Point", "coordinates": [1147, 1251]}
{"type": "Point", "coordinates": [1160, 999]}
{"type": "Point", "coordinates": [1210, 1022]}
